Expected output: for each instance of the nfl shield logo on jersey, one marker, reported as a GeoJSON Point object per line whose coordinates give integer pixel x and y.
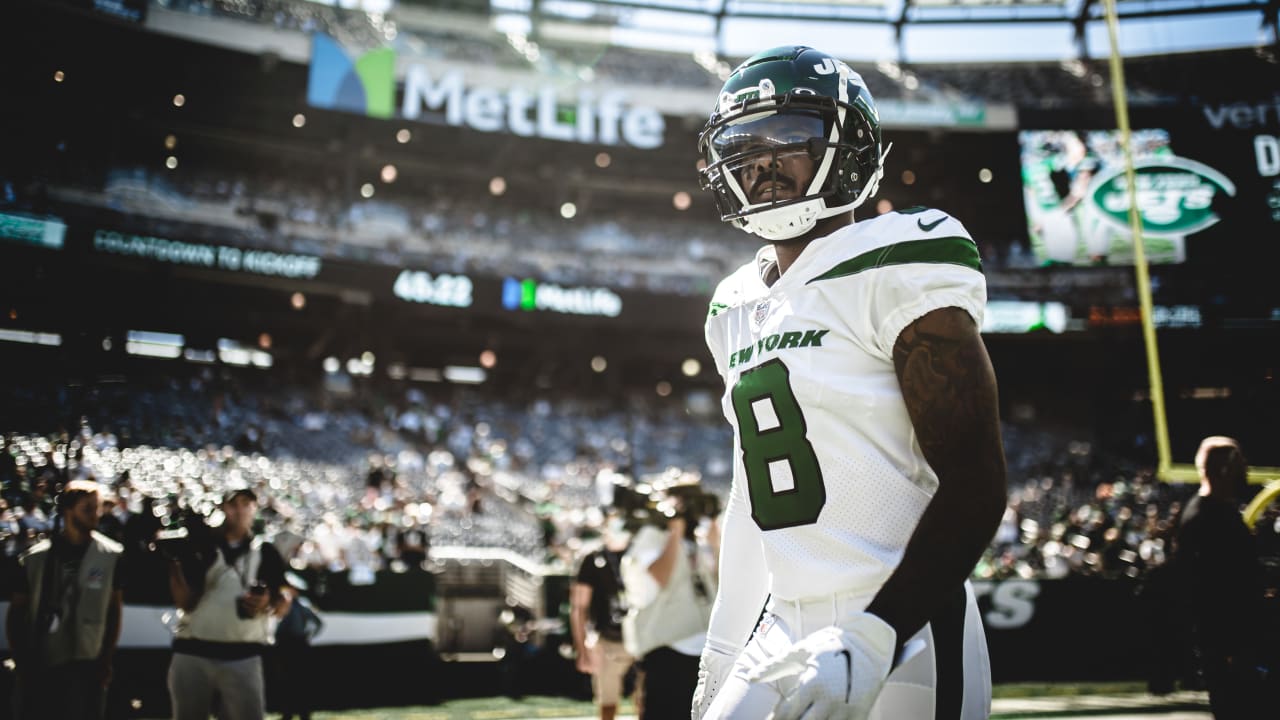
{"type": "Point", "coordinates": [762, 312]}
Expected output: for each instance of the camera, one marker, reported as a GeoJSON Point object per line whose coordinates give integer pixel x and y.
{"type": "Point", "coordinates": [697, 502]}
{"type": "Point", "coordinates": [171, 543]}
{"type": "Point", "coordinates": [257, 589]}
{"type": "Point", "coordinates": [184, 538]}
{"type": "Point", "coordinates": [656, 502]}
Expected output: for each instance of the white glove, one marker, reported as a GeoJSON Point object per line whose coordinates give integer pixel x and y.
{"type": "Point", "coordinates": [713, 670]}
{"type": "Point", "coordinates": [839, 672]}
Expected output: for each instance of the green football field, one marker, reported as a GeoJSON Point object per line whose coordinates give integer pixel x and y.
{"type": "Point", "coordinates": [1117, 701]}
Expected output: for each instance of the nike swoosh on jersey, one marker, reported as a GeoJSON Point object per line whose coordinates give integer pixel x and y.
{"type": "Point", "coordinates": [931, 225]}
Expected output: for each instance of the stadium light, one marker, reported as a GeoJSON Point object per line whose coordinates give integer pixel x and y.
{"type": "Point", "coordinates": [170, 141]}
{"type": "Point", "coordinates": [568, 211]}
{"type": "Point", "coordinates": [984, 175]}
{"type": "Point", "coordinates": [357, 366]}
{"type": "Point", "coordinates": [488, 359]}
{"type": "Point", "coordinates": [171, 162]}
{"type": "Point", "coordinates": [690, 367]}
{"type": "Point", "coordinates": [884, 206]}
{"type": "Point", "coordinates": [681, 200]}
{"type": "Point", "coordinates": [366, 190]}
{"type": "Point", "coordinates": [231, 352]}
{"type": "Point", "coordinates": [154, 344]}
{"type": "Point", "coordinates": [603, 160]}
{"type": "Point", "coordinates": [204, 357]}
{"type": "Point", "coordinates": [403, 136]}
{"type": "Point", "coordinates": [598, 363]}
{"type": "Point", "coordinates": [30, 338]}
{"type": "Point", "coordinates": [419, 374]}
{"type": "Point", "coordinates": [264, 341]}
{"type": "Point", "coordinates": [58, 76]}
{"type": "Point", "coordinates": [179, 100]}
{"type": "Point", "coordinates": [497, 186]}
{"type": "Point", "coordinates": [464, 375]}
{"type": "Point", "coordinates": [298, 301]}
{"type": "Point", "coordinates": [331, 365]}
{"type": "Point", "coordinates": [663, 388]}
{"type": "Point", "coordinates": [299, 120]}
{"type": "Point", "coordinates": [389, 173]}
{"type": "Point", "coordinates": [908, 177]}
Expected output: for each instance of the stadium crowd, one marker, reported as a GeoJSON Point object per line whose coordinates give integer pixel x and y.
{"type": "Point", "coordinates": [352, 479]}
{"type": "Point", "coordinates": [444, 233]}
{"type": "Point", "coordinates": [438, 231]}
{"type": "Point", "coordinates": [353, 485]}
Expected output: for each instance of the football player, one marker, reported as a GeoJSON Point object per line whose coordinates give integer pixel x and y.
{"type": "Point", "coordinates": [869, 473]}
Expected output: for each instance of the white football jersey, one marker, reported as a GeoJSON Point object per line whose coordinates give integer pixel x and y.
{"type": "Point", "coordinates": [825, 458]}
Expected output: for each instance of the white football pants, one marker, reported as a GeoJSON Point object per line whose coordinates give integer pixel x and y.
{"type": "Point", "coordinates": [948, 678]}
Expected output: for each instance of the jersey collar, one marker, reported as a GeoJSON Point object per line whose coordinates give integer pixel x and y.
{"type": "Point", "coordinates": [767, 259]}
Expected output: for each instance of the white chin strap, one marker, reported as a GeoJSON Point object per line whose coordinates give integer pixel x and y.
{"type": "Point", "coordinates": [784, 223]}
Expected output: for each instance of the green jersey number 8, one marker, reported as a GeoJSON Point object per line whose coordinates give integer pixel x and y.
{"type": "Point", "coordinates": [783, 477]}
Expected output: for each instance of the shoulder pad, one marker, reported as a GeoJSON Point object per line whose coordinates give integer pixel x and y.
{"type": "Point", "coordinates": [732, 290]}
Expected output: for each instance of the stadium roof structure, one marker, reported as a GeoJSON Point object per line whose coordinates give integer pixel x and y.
{"type": "Point", "coordinates": [681, 24]}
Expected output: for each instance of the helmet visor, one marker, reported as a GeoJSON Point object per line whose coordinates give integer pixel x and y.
{"type": "Point", "coordinates": [771, 175]}
{"type": "Point", "coordinates": [768, 132]}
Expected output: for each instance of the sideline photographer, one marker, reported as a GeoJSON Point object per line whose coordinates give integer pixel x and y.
{"type": "Point", "coordinates": [669, 574]}
{"type": "Point", "coordinates": [64, 618]}
{"type": "Point", "coordinates": [226, 583]}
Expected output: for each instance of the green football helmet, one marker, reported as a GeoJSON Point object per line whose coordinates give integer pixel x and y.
{"type": "Point", "coordinates": [777, 105]}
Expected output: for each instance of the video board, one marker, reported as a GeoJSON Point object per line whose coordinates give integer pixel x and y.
{"type": "Point", "coordinates": [1077, 202]}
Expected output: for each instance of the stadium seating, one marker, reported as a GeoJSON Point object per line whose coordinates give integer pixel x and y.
{"type": "Point", "coordinates": [476, 468]}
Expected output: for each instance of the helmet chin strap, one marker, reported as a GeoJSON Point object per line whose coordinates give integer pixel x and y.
{"type": "Point", "coordinates": [785, 223]}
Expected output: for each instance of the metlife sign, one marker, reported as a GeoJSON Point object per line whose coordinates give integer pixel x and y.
{"type": "Point", "coordinates": [366, 85]}
{"type": "Point", "coordinates": [530, 295]}
{"type": "Point", "coordinates": [531, 112]}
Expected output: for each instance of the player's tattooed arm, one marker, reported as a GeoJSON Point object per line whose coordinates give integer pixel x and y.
{"type": "Point", "coordinates": [950, 392]}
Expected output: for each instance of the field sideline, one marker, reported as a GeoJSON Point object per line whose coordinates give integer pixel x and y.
{"type": "Point", "coordinates": [1117, 701]}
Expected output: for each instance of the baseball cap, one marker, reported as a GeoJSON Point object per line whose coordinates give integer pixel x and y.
{"type": "Point", "coordinates": [232, 493]}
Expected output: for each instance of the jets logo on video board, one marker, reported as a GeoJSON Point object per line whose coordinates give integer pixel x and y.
{"type": "Point", "coordinates": [1175, 195]}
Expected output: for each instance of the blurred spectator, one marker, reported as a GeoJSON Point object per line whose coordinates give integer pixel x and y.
{"type": "Point", "coordinates": [412, 543]}
{"type": "Point", "coordinates": [33, 523]}
{"type": "Point", "coordinates": [293, 656]}
{"type": "Point", "coordinates": [597, 607]}
{"type": "Point", "coordinates": [1219, 565]}
{"type": "Point", "coordinates": [114, 517]}
{"type": "Point", "coordinates": [64, 617]}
